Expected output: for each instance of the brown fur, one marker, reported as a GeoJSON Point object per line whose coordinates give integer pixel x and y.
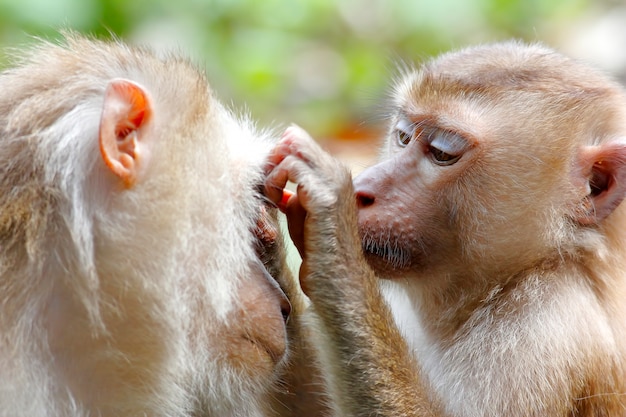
{"type": "Point", "coordinates": [505, 268]}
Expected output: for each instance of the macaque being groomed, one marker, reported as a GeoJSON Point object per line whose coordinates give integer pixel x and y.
{"type": "Point", "coordinates": [133, 274]}
{"type": "Point", "coordinates": [496, 219]}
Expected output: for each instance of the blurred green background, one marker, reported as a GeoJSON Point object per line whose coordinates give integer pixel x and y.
{"type": "Point", "coordinates": [323, 64]}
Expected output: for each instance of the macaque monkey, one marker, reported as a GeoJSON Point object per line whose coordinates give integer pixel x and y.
{"type": "Point", "coordinates": [495, 219]}
{"type": "Point", "coordinates": [134, 241]}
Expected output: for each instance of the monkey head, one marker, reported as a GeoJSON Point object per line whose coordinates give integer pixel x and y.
{"type": "Point", "coordinates": [493, 151]}
{"type": "Point", "coordinates": [132, 275]}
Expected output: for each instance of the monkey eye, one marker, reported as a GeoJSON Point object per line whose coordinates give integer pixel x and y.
{"type": "Point", "coordinates": [404, 132]}
{"type": "Point", "coordinates": [444, 147]}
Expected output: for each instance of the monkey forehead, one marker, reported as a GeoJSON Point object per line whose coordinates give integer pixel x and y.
{"type": "Point", "coordinates": [509, 66]}
{"type": "Point", "coordinates": [509, 82]}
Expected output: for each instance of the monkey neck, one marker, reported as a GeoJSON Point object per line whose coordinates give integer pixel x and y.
{"type": "Point", "coordinates": [451, 305]}
{"type": "Point", "coordinates": [476, 332]}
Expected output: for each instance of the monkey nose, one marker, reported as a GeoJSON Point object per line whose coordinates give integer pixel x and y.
{"type": "Point", "coordinates": [364, 198]}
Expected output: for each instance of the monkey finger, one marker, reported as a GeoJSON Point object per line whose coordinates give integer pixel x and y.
{"type": "Point", "coordinates": [296, 215]}
{"type": "Point", "coordinates": [297, 142]}
{"type": "Point", "coordinates": [277, 155]}
{"type": "Point", "coordinates": [275, 182]}
{"type": "Point", "coordinates": [289, 144]}
{"type": "Point", "coordinates": [303, 275]}
{"type": "Point", "coordinates": [291, 169]}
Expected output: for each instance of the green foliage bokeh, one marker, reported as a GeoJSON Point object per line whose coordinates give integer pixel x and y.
{"type": "Point", "coordinates": [321, 63]}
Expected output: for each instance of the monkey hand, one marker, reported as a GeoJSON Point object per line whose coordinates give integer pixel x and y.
{"type": "Point", "coordinates": [352, 321]}
{"type": "Point", "coordinates": [323, 207]}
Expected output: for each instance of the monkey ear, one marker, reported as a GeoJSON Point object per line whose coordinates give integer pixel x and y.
{"type": "Point", "coordinates": [606, 168]}
{"type": "Point", "coordinates": [125, 112]}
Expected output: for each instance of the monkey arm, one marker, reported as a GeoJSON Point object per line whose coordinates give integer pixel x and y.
{"type": "Point", "coordinates": [300, 390]}
{"type": "Point", "coordinates": [366, 362]}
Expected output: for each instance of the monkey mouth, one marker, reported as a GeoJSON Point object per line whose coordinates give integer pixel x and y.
{"type": "Point", "coordinates": [390, 256]}
{"type": "Point", "coordinates": [272, 348]}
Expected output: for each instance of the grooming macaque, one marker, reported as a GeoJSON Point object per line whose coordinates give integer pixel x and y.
{"type": "Point", "coordinates": [134, 241]}
{"type": "Point", "coordinates": [495, 218]}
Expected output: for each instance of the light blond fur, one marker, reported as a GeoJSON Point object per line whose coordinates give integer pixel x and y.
{"type": "Point", "coordinates": [135, 301]}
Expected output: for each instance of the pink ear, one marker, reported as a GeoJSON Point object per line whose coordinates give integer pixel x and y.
{"type": "Point", "coordinates": [606, 165]}
{"type": "Point", "coordinates": [125, 112]}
